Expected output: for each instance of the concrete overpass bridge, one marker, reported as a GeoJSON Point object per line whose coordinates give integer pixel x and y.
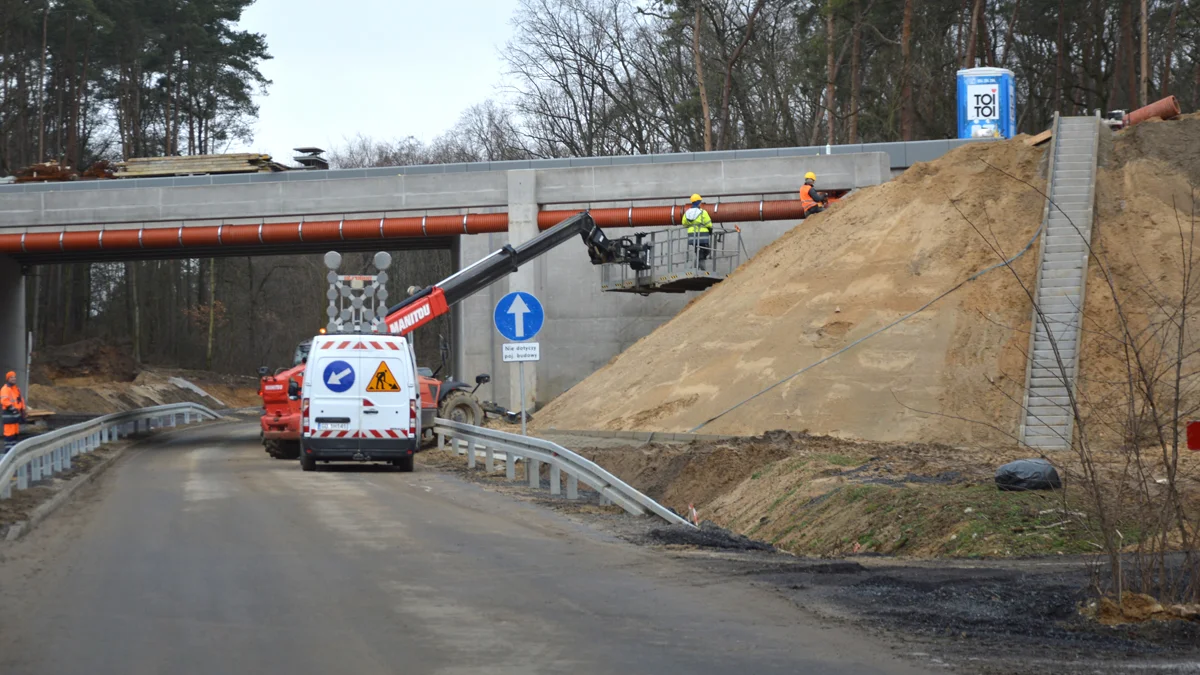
{"type": "Point", "coordinates": [471, 209]}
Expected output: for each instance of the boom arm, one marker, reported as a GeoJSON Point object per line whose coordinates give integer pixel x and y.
{"type": "Point", "coordinates": [432, 302]}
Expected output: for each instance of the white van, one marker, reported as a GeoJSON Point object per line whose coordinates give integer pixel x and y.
{"type": "Point", "coordinates": [360, 401]}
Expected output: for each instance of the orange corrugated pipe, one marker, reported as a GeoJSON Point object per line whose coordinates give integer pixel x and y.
{"type": "Point", "coordinates": [1164, 109]}
{"type": "Point", "coordinates": [650, 216]}
{"type": "Point", "coordinates": [331, 231]}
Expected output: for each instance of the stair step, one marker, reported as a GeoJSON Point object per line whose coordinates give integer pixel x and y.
{"type": "Point", "coordinates": [1049, 400]}
{"type": "Point", "coordinates": [1046, 443]}
{"type": "Point", "coordinates": [1075, 272]}
{"type": "Point", "coordinates": [1075, 266]}
{"type": "Point", "coordinates": [1046, 381]}
{"type": "Point", "coordinates": [1060, 282]}
{"type": "Point", "coordinates": [1048, 414]}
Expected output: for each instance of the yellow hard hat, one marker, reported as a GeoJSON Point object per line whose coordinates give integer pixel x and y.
{"type": "Point", "coordinates": [810, 176]}
{"type": "Point", "coordinates": [697, 198]}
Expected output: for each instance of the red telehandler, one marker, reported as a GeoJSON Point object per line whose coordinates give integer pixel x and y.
{"type": "Point", "coordinates": [450, 398]}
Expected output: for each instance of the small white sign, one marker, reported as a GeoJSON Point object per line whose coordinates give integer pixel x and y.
{"type": "Point", "coordinates": [983, 102]}
{"type": "Point", "coordinates": [516, 352]}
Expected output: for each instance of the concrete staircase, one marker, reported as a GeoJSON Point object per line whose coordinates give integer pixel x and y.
{"type": "Point", "coordinates": [1062, 274]}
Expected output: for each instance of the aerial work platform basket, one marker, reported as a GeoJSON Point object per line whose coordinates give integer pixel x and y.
{"type": "Point", "coordinates": [675, 262]}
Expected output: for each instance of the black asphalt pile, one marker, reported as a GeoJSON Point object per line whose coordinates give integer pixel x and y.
{"type": "Point", "coordinates": [708, 535]}
{"type": "Point", "coordinates": [1007, 617]}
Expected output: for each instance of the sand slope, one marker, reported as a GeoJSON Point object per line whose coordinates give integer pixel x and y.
{"type": "Point", "coordinates": [953, 374]}
{"type": "Point", "coordinates": [836, 277]}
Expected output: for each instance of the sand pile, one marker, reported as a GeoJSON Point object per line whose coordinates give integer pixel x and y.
{"type": "Point", "coordinates": [835, 278]}
{"type": "Point", "coordinates": [953, 374]}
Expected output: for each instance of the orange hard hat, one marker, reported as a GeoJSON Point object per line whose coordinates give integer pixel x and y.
{"type": "Point", "coordinates": [11, 374]}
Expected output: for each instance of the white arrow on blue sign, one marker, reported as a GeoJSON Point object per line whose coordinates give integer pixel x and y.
{"type": "Point", "coordinates": [519, 316]}
{"type": "Point", "coordinates": [339, 376]}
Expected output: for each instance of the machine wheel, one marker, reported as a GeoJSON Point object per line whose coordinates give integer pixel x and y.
{"type": "Point", "coordinates": [287, 449]}
{"type": "Point", "coordinates": [405, 464]}
{"type": "Point", "coordinates": [307, 463]}
{"type": "Point", "coordinates": [460, 406]}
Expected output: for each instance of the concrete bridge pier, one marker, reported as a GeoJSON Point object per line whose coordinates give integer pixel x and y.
{"type": "Point", "coordinates": [12, 321]}
{"type": "Point", "coordinates": [522, 226]}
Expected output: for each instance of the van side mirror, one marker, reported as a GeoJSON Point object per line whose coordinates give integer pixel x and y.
{"type": "Point", "coordinates": [483, 379]}
{"type": "Point", "coordinates": [263, 371]}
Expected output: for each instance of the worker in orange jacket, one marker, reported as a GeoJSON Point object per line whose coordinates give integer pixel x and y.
{"type": "Point", "coordinates": [12, 410]}
{"type": "Point", "coordinates": [812, 201]}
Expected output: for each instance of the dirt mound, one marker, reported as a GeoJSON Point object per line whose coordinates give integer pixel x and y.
{"type": "Point", "coordinates": [955, 372]}
{"type": "Point", "coordinates": [84, 362]}
{"type": "Point", "coordinates": [151, 387]}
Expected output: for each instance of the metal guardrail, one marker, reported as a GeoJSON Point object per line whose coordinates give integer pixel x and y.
{"type": "Point", "coordinates": [535, 451]}
{"type": "Point", "coordinates": [675, 262]}
{"type": "Point", "coordinates": [47, 454]}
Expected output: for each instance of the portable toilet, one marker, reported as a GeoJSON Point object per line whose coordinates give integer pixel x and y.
{"type": "Point", "coordinates": [987, 103]}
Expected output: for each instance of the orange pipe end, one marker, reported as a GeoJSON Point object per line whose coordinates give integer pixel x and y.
{"type": "Point", "coordinates": [1166, 109]}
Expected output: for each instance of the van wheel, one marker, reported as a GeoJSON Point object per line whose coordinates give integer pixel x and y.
{"type": "Point", "coordinates": [307, 463]}
{"type": "Point", "coordinates": [406, 464]}
{"type": "Point", "coordinates": [460, 406]}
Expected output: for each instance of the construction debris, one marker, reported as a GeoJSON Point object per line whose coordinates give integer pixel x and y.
{"type": "Point", "coordinates": [151, 167]}
{"type": "Point", "coordinates": [46, 172]}
{"type": "Point", "coordinates": [1164, 109]}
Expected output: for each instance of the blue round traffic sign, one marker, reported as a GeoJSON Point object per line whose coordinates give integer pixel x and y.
{"type": "Point", "coordinates": [519, 316]}
{"type": "Point", "coordinates": [338, 377]}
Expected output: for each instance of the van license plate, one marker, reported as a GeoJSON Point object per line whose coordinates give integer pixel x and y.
{"type": "Point", "coordinates": [332, 426]}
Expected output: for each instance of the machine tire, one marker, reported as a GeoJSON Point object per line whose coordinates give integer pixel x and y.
{"type": "Point", "coordinates": [287, 449]}
{"type": "Point", "coordinates": [461, 406]}
{"type": "Point", "coordinates": [307, 463]}
{"type": "Point", "coordinates": [405, 464]}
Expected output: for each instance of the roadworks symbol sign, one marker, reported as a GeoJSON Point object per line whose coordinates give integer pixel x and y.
{"type": "Point", "coordinates": [383, 380]}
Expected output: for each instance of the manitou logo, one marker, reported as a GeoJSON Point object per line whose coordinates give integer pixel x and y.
{"type": "Point", "coordinates": [410, 320]}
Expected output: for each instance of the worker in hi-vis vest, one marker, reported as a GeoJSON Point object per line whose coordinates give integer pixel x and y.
{"type": "Point", "coordinates": [12, 407]}
{"type": "Point", "coordinates": [812, 201]}
{"type": "Point", "coordinates": [699, 229]}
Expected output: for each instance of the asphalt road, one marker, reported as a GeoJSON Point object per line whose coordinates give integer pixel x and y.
{"type": "Point", "coordinates": [200, 554]}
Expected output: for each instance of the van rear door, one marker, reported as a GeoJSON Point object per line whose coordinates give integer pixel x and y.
{"type": "Point", "coordinates": [388, 392]}
{"type": "Point", "coordinates": [334, 404]}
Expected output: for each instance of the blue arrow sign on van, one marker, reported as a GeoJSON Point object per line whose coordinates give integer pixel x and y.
{"type": "Point", "coordinates": [338, 376]}
{"type": "Point", "coordinates": [519, 316]}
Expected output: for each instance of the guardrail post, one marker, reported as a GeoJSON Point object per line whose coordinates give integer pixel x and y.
{"type": "Point", "coordinates": [56, 459]}
{"type": "Point", "coordinates": [441, 441]}
{"type": "Point", "coordinates": [66, 462]}
{"type": "Point", "coordinates": [471, 454]}
{"type": "Point", "coordinates": [510, 465]}
{"type": "Point", "coordinates": [187, 417]}
{"type": "Point", "coordinates": [534, 471]}
{"type": "Point", "coordinates": [23, 477]}
{"type": "Point", "coordinates": [572, 486]}
{"type": "Point", "coordinates": [555, 479]}
{"type": "Point", "coordinates": [490, 453]}
{"type": "Point", "coordinates": [35, 470]}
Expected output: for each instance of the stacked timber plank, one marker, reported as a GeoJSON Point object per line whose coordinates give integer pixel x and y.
{"type": "Point", "coordinates": [149, 167]}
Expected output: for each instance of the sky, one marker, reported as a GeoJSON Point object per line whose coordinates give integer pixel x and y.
{"type": "Point", "coordinates": [383, 68]}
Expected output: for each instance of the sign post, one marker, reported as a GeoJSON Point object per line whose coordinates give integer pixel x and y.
{"type": "Point", "coordinates": [518, 317]}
